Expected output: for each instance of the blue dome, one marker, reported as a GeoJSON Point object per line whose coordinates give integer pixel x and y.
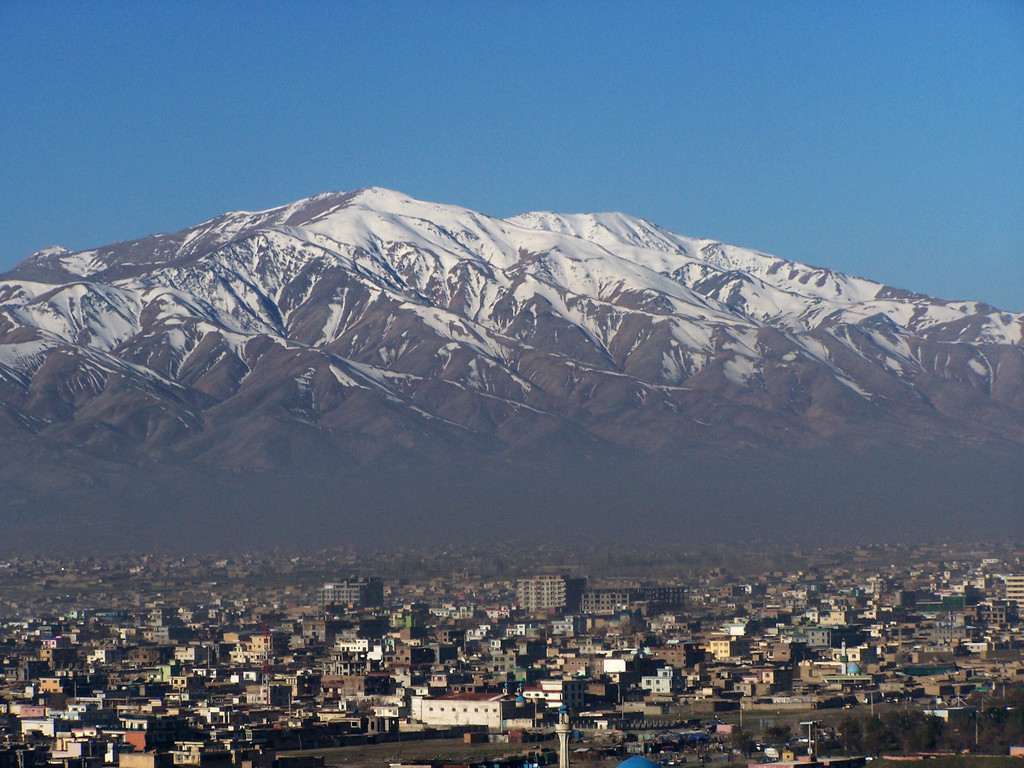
{"type": "Point", "coordinates": [853, 668]}
{"type": "Point", "coordinates": [638, 761]}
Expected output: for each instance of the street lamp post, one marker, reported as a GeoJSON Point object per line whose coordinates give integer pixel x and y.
{"type": "Point", "coordinates": [810, 737]}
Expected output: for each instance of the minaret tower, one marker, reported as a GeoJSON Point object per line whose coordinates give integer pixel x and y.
{"type": "Point", "coordinates": [562, 729]}
{"type": "Point", "coordinates": [265, 677]}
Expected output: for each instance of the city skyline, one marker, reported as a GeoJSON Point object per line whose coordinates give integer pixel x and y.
{"type": "Point", "coordinates": [448, 657]}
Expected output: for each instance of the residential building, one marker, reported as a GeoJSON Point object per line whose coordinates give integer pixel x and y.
{"type": "Point", "coordinates": [550, 593]}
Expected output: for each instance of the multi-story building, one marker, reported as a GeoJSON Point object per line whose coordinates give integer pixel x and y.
{"type": "Point", "coordinates": [1015, 588]}
{"type": "Point", "coordinates": [655, 597]}
{"type": "Point", "coordinates": [358, 593]}
{"type": "Point", "coordinates": [461, 709]}
{"type": "Point", "coordinates": [726, 646]}
{"type": "Point", "coordinates": [556, 693]}
{"type": "Point", "coordinates": [995, 613]}
{"type": "Point", "coordinates": [666, 680]}
{"type": "Point", "coordinates": [606, 600]}
{"type": "Point", "coordinates": [550, 592]}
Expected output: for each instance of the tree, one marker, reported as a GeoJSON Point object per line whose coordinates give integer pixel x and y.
{"type": "Point", "coordinates": [878, 736]}
{"type": "Point", "coordinates": [778, 734]}
{"type": "Point", "coordinates": [742, 741]}
{"type": "Point", "coordinates": [851, 736]}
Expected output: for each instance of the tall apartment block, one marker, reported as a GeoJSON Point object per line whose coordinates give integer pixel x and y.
{"type": "Point", "coordinates": [1015, 589]}
{"type": "Point", "coordinates": [357, 593]}
{"type": "Point", "coordinates": [550, 592]}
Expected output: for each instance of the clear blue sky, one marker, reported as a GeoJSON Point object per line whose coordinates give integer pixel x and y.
{"type": "Point", "coordinates": [881, 139]}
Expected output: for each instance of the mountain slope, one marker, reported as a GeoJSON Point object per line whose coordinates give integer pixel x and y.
{"type": "Point", "coordinates": [365, 328]}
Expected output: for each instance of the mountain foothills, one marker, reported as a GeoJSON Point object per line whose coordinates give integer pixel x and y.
{"type": "Point", "coordinates": [365, 364]}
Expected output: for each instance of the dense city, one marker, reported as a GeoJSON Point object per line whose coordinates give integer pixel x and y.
{"type": "Point", "coordinates": [514, 658]}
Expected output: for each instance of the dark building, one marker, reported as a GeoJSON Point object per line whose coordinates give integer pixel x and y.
{"type": "Point", "coordinates": [352, 592]}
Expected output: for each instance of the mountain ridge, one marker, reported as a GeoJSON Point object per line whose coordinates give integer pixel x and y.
{"type": "Point", "coordinates": [352, 325]}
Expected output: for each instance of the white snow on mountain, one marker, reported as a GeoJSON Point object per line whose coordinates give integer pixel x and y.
{"type": "Point", "coordinates": [490, 287]}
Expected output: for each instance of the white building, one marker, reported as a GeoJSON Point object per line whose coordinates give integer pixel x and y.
{"type": "Point", "coordinates": [1015, 588]}
{"type": "Point", "coordinates": [666, 681]}
{"type": "Point", "coordinates": [556, 693]}
{"type": "Point", "coordinates": [545, 592]}
{"type": "Point", "coordinates": [490, 710]}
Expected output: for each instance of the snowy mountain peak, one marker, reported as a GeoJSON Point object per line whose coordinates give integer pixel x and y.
{"type": "Point", "coordinates": [50, 252]}
{"type": "Point", "coordinates": [351, 338]}
{"type": "Point", "coordinates": [374, 314]}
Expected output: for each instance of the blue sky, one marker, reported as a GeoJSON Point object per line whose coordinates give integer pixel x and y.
{"type": "Point", "coordinates": [880, 139]}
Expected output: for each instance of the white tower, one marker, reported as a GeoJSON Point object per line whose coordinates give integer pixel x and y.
{"type": "Point", "coordinates": [265, 677]}
{"type": "Point", "coordinates": [562, 729]}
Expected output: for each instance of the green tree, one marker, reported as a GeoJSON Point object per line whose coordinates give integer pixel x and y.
{"type": "Point", "coordinates": [778, 734]}
{"type": "Point", "coordinates": [742, 741]}
{"type": "Point", "coordinates": [851, 736]}
{"type": "Point", "coordinates": [878, 736]}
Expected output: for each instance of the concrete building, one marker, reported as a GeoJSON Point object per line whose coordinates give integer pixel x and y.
{"type": "Point", "coordinates": [550, 592]}
{"type": "Point", "coordinates": [355, 592]}
{"type": "Point", "coordinates": [557, 693]}
{"type": "Point", "coordinates": [489, 710]}
{"type": "Point", "coordinates": [1015, 589]}
{"type": "Point", "coordinates": [606, 600]}
{"type": "Point", "coordinates": [664, 682]}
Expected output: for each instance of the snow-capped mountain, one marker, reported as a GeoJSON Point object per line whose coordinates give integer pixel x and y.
{"type": "Point", "coordinates": [353, 325]}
